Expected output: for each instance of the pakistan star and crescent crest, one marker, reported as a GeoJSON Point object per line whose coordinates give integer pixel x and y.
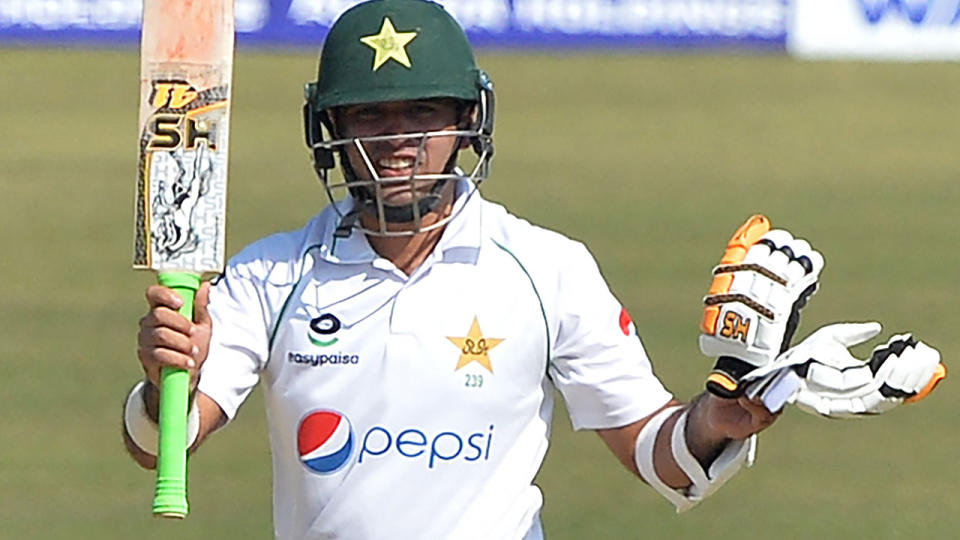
{"type": "Point", "coordinates": [389, 45]}
{"type": "Point", "coordinates": [474, 347]}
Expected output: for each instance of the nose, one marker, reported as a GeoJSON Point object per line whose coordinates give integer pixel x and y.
{"type": "Point", "coordinates": [396, 123]}
{"type": "Point", "coordinates": [393, 123]}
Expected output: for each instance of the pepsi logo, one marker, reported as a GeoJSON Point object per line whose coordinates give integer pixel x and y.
{"type": "Point", "coordinates": [325, 441]}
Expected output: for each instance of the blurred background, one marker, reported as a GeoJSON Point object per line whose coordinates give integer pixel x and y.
{"type": "Point", "coordinates": [648, 129]}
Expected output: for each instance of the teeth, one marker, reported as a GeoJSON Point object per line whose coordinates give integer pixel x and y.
{"type": "Point", "coordinates": [396, 163]}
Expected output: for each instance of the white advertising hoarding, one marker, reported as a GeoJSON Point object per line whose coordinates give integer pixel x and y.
{"type": "Point", "coordinates": [631, 24]}
{"type": "Point", "coordinates": [907, 30]}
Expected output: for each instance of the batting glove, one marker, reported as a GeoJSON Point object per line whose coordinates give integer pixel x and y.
{"type": "Point", "coordinates": [753, 307]}
{"type": "Point", "coordinates": [837, 385]}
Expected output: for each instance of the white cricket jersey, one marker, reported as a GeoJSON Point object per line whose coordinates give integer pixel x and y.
{"type": "Point", "coordinates": [419, 407]}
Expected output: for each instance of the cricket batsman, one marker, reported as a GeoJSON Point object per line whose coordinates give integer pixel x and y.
{"type": "Point", "coordinates": [410, 337]}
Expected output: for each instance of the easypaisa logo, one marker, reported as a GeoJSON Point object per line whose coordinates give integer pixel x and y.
{"type": "Point", "coordinates": [321, 333]}
{"type": "Point", "coordinates": [322, 330]}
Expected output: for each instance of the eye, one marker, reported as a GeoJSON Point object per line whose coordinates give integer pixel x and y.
{"type": "Point", "coordinates": [365, 114]}
{"type": "Point", "coordinates": [423, 109]}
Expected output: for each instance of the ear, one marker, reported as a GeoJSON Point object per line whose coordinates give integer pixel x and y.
{"type": "Point", "coordinates": [470, 114]}
{"type": "Point", "coordinates": [468, 120]}
{"type": "Point", "coordinates": [330, 119]}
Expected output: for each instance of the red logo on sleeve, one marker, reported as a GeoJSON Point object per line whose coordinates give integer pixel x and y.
{"type": "Point", "coordinates": [626, 323]}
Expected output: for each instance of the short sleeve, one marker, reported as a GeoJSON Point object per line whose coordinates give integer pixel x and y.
{"type": "Point", "coordinates": [599, 364]}
{"type": "Point", "coordinates": [238, 345]}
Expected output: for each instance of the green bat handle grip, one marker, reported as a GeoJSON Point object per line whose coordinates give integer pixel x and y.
{"type": "Point", "coordinates": [170, 496]}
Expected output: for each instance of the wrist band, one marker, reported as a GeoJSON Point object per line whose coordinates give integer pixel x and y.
{"type": "Point", "coordinates": [684, 458]}
{"type": "Point", "coordinates": [143, 430]}
{"type": "Point", "coordinates": [702, 482]}
{"type": "Point", "coordinates": [735, 454]}
{"type": "Point", "coordinates": [643, 456]}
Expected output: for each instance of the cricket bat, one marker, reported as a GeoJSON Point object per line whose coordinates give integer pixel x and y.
{"type": "Point", "coordinates": [186, 64]}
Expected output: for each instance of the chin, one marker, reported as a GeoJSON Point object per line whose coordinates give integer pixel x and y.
{"type": "Point", "coordinates": [399, 202]}
{"type": "Point", "coordinates": [404, 198]}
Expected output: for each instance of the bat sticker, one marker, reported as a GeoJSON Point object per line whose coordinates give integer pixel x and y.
{"type": "Point", "coordinates": [173, 230]}
{"type": "Point", "coordinates": [182, 184]}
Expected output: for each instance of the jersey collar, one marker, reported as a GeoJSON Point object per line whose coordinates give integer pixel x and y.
{"type": "Point", "coordinates": [463, 231]}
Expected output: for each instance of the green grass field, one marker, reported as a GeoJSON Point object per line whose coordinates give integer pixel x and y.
{"type": "Point", "coordinates": [651, 160]}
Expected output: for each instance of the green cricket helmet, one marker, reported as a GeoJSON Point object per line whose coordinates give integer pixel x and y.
{"type": "Point", "coordinates": [388, 51]}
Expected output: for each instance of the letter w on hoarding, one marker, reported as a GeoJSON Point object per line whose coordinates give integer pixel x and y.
{"type": "Point", "coordinates": [918, 12]}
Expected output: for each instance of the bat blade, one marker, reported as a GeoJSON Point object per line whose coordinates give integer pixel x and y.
{"type": "Point", "coordinates": [185, 83]}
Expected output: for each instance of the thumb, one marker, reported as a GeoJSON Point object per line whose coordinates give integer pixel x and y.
{"type": "Point", "coordinates": [850, 334]}
{"type": "Point", "coordinates": [748, 234]}
{"type": "Point", "coordinates": [200, 314]}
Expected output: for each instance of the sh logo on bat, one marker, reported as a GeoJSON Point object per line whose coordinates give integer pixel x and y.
{"type": "Point", "coordinates": [175, 123]}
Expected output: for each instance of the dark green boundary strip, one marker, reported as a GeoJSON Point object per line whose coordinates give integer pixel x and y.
{"type": "Point", "coordinates": [286, 303]}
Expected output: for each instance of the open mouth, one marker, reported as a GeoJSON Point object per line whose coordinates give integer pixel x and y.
{"type": "Point", "coordinates": [395, 184]}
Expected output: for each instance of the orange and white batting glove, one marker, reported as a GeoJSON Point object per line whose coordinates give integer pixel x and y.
{"type": "Point", "coordinates": [753, 306]}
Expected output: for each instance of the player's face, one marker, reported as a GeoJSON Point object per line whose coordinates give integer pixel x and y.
{"type": "Point", "coordinates": [395, 161]}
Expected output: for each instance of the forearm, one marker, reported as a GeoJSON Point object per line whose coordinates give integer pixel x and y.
{"type": "Point", "coordinates": [702, 440]}
{"type": "Point", "coordinates": [145, 460]}
{"type": "Point", "coordinates": [663, 461]}
{"type": "Point", "coordinates": [151, 401]}
{"type": "Point", "coordinates": [205, 413]}
{"type": "Point", "coordinates": [662, 455]}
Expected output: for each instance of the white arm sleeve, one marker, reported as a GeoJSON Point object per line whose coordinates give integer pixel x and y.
{"type": "Point", "coordinates": [598, 362]}
{"type": "Point", "coordinates": [238, 345]}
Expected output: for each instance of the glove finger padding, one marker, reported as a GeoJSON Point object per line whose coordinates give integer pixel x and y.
{"type": "Point", "coordinates": [837, 385]}
{"type": "Point", "coordinates": [909, 369]}
{"type": "Point", "coordinates": [752, 308]}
